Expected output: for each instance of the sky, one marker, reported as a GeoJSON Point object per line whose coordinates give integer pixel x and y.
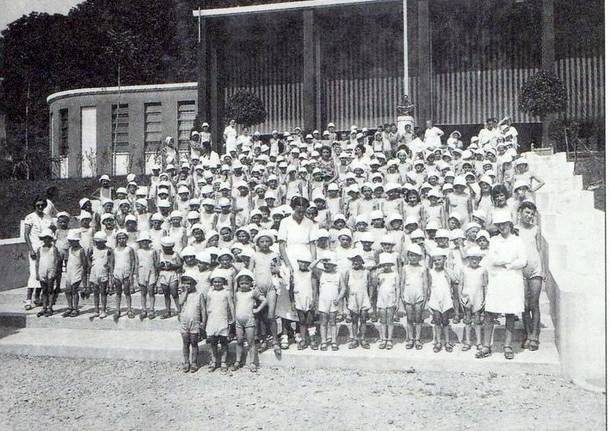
{"type": "Point", "coordinates": [14, 9]}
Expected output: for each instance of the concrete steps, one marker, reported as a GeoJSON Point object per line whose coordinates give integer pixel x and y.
{"type": "Point", "coordinates": [12, 314]}
{"type": "Point", "coordinates": [166, 346]}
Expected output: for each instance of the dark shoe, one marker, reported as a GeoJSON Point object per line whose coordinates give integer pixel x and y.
{"type": "Point", "coordinates": [41, 313]}
{"type": "Point", "coordinates": [74, 313]}
{"type": "Point", "coordinates": [66, 313]}
{"type": "Point", "coordinates": [353, 344]}
{"type": "Point", "coordinates": [194, 368]}
{"type": "Point", "coordinates": [365, 344]}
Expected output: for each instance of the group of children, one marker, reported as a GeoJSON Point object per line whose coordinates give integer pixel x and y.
{"type": "Point", "coordinates": [399, 233]}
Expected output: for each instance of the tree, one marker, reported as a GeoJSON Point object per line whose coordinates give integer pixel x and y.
{"type": "Point", "coordinates": [246, 109]}
{"type": "Point", "coordinates": [542, 95]}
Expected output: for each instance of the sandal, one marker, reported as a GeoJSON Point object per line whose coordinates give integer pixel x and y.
{"type": "Point", "coordinates": [151, 314]}
{"type": "Point", "coordinates": [418, 345]}
{"type": "Point", "coordinates": [409, 344]}
{"type": "Point", "coordinates": [130, 314]}
{"type": "Point", "coordinates": [74, 313]}
{"type": "Point", "coordinates": [103, 315]}
{"type": "Point", "coordinates": [437, 348]}
{"type": "Point", "coordinates": [48, 312]}
{"type": "Point", "coordinates": [389, 345]}
{"type": "Point", "coordinates": [324, 346]}
{"type": "Point", "coordinates": [479, 347]}
{"type": "Point", "coordinates": [194, 368]}
{"type": "Point", "coordinates": [533, 346]}
{"type": "Point", "coordinates": [66, 313]}
{"type": "Point", "coordinates": [302, 345]}
{"type": "Point", "coordinates": [313, 345]}
{"type": "Point", "coordinates": [253, 368]}
{"type": "Point", "coordinates": [466, 347]}
{"type": "Point", "coordinates": [236, 366]}
{"type": "Point", "coordinates": [352, 344]}
{"type": "Point", "coordinates": [485, 352]}
{"type": "Point", "coordinates": [334, 347]}
{"type": "Point", "coordinates": [224, 368]}
{"type": "Point", "coordinates": [525, 344]}
{"type": "Point", "coordinates": [364, 344]}
{"type": "Point", "coordinates": [186, 367]}
{"type": "Point", "coordinates": [382, 344]}
{"type": "Point", "coordinates": [448, 347]}
{"type": "Point", "coordinates": [41, 313]}
{"type": "Point", "coordinates": [212, 367]}
{"type": "Point", "coordinates": [28, 305]}
{"type": "Point", "coordinates": [284, 344]}
{"type": "Point", "coordinates": [143, 315]}
{"type": "Point", "coordinates": [508, 352]}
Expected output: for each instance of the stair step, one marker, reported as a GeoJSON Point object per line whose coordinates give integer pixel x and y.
{"type": "Point", "coordinates": [13, 315]}
{"type": "Point", "coordinates": [165, 346]}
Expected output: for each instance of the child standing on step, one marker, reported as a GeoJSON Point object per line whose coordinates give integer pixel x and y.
{"type": "Point", "coordinates": [387, 298]}
{"type": "Point", "coordinates": [192, 321]}
{"type": "Point", "coordinates": [48, 264]}
{"type": "Point", "coordinates": [356, 281]}
{"type": "Point", "coordinates": [101, 262]}
{"type": "Point", "coordinates": [415, 291]}
{"type": "Point", "coordinates": [246, 309]}
{"type": "Point", "coordinates": [148, 261]}
{"type": "Point", "coordinates": [220, 312]}
{"type": "Point", "coordinates": [123, 273]}
{"type": "Point", "coordinates": [440, 302]}
{"type": "Point", "coordinates": [303, 294]}
{"type": "Point", "coordinates": [168, 266]}
{"type": "Point", "coordinates": [328, 301]}
{"type": "Point", "coordinates": [77, 267]}
{"type": "Point", "coordinates": [472, 295]}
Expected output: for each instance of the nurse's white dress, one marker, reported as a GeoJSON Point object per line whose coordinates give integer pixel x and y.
{"type": "Point", "coordinates": [505, 293]}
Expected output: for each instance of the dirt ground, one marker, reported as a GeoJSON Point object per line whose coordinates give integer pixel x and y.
{"type": "Point", "coordinates": [52, 393]}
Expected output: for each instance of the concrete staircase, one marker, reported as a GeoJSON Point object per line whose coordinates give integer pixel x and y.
{"type": "Point", "coordinates": [21, 332]}
{"type": "Point", "coordinates": [574, 255]}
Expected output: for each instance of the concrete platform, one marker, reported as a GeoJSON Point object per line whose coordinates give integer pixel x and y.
{"type": "Point", "coordinates": [166, 346]}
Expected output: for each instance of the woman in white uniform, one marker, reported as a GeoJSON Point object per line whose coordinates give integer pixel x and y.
{"type": "Point", "coordinates": [505, 294]}
{"type": "Point", "coordinates": [35, 222]}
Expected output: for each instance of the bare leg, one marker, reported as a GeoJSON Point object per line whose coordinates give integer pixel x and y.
{"type": "Point", "coordinates": [186, 348]}
{"type": "Point", "coordinates": [332, 326]}
{"type": "Point", "coordinates": [510, 326]}
{"type": "Point", "coordinates": [240, 338]}
{"type": "Point", "coordinates": [251, 352]}
{"type": "Point", "coordinates": [324, 327]}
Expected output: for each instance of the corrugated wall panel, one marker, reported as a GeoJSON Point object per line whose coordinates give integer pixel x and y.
{"type": "Point", "coordinates": [584, 78]}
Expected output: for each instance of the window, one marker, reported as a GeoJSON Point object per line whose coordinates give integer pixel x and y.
{"type": "Point", "coordinates": [152, 133]}
{"type": "Point", "coordinates": [63, 133]}
{"type": "Point", "coordinates": [120, 127]}
{"type": "Point", "coordinates": [120, 137]}
{"type": "Point", "coordinates": [186, 120]}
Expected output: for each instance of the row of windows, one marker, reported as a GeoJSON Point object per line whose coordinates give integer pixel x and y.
{"type": "Point", "coordinates": [153, 137]}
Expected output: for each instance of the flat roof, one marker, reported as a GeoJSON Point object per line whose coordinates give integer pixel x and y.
{"type": "Point", "coordinates": [282, 7]}
{"type": "Point", "coordinates": [126, 88]}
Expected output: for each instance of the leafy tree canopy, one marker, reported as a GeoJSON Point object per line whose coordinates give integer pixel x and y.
{"type": "Point", "coordinates": [246, 109]}
{"type": "Point", "coordinates": [542, 94]}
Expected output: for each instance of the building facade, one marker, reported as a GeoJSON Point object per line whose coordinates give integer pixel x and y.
{"type": "Point", "coordinates": [104, 130]}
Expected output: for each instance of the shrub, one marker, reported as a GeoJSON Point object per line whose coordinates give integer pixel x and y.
{"type": "Point", "coordinates": [246, 109]}
{"type": "Point", "coordinates": [542, 94]}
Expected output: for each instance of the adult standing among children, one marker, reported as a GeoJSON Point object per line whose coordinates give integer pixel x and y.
{"type": "Point", "coordinates": [208, 156]}
{"type": "Point", "coordinates": [432, 135]}
{"type": "Point", "coordinates": [230, 137]}
{"type": "Point", "coordinates": [296, 234]}
{"type": "Point", "coordinates": [505, 293]}
{"type": "Point", "coordinates": [34, 224]}
{"type": "Point", "coordinates": [195, 144]}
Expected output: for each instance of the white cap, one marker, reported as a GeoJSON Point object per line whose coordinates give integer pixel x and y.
{"type": "Point", "coordinates": [204, 257]}
{"type": "Point", "coordinates": [456, 234]}
{"type": "Point", "coordinates": [473, 252]}
{"type": "Point", "coordinates": [376, 214]}
{"type": "Point", "coordinates": [438, 252]}
{"type": "Point", "coordinates": [49, 233]}
{"type": "Point", "coordinates": [167, 241]}
{"type": "Point", "coordinates": [386, 258]}
{"type": "Point", "coordinates": [442, 233]}
{"type": "Point", "coordinates": [143, 236]}
{"type": "Point", "coordinates": [344, 232]}
{"type": "Point", "coordinates": [501, 217]}
{"type": "Point", "coordinates": [415, 249]}
{"type": "Point", "coordinates": [99, 236]}
{"type": "Point", "coordinates": [387, 239]}
{"type": "Point", "coordinates": [84, 215]}
{"type": "Point", "coordinates": [73, 235]}
{"type": "Point", "coordinates": [157, 217]}
{"type": "Point", "coordinates": [187, 251]}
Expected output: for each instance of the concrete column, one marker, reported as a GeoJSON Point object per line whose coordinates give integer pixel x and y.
{"type": "Point", "coordinates": [75, 159]}
{"type": "Point", "coordinates": [203, 69]}
{"type": "Point", "coordinates": [424, 61]}
{"type": "Point", "coordinates": [104, 138]}
{"type": "Point", "coordinates": [309, 71]}
{"type": "Point", "coordinates": [136, 137]}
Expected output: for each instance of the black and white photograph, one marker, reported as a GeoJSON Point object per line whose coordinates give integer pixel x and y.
{"type": "Point", "coordinates": [303, 214]}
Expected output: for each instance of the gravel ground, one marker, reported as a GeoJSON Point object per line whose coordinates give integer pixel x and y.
{"type": "Point", "coordinates": [55, 393]}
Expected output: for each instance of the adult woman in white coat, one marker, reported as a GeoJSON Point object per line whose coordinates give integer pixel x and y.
{"type": "Point", "coordinates": [505, 293]}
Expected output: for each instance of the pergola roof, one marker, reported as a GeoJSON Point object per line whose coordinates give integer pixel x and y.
{"type": "Point", "coordinates": [282, 7]}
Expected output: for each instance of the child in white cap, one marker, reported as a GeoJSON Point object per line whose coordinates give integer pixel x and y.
{"type": "Point", "coordinates": [86, 230]}
{"type": "Point", "coordinates": [148, 262]}
{"type": "Point", "coordinates": [48, 265]}
{"type": "Point", "coordinates": [124, 272]}
{"type": "Point", "coordinates": [329, 296]}
{"type": "Point", "coordinates": [440, 302]}
{"type": "Point", "coordinates": [265, 264]}
{"type": "Point", "coordinates": [220, 312]}
{"type": "Point", "coordinates": [177, 231]}
{"type": "Point", "coordinates": [356, 283]}
{"type": "Point", "coordinates": [303, 291]}
{"type": "Point", "coordinates": [77, 267]}
{"type": "Point", "coordinates": [157, 232]}
{"type": "Point", "coordinates": [472, 295]}
{"type": "Point", "coordinates": [168, 266]}
{"type": "Point", "coordinates": [192, 321]}
{"type": "Point", "coordinates": [387, 282]}
{"type": "Point", "coordinates": [249, 303]}
{"type": "Point", "coordinates": [101, 262]}
{"type": "Point", "coordinates": [414, 292]}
